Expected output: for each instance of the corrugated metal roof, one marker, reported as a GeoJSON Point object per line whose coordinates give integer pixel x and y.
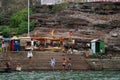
{"type": "Point", "coordinates": [94, 40]}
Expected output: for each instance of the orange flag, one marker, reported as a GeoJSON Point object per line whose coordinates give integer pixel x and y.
{"type": "Point", "coordinates": [52, 32]}
{"type": "Point", "coordinates": [70, 33]}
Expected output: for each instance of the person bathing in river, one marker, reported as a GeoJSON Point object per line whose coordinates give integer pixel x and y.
{"type": "Point", "coordinates": [69, 64]}
{"type": "Point", "coordinates": [64, 64]}
{"type": "Point", "coordinates": [8, 66]}
{"type": "Point", "coordinates": [52, 63]}
{"type": "Point", "coordinates": [18, 67]}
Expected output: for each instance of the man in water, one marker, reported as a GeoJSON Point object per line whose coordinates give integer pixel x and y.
{"type": "Point", "coordinates": [64, 63]}
{"type": "Point", "coordinates": [8, 69]}
{"type": "Point", "coordinates": [18, 67]}
{"type": "Point", "coordinates": [69, 64]}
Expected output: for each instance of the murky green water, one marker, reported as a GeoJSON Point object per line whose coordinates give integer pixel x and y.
{"type": "Point", "coordinates": [59, 75]}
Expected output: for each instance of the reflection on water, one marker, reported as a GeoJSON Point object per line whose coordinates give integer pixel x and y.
{"type": "Point", "coordinates": [59, 75]}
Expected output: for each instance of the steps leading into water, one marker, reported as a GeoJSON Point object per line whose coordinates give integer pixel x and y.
{"type": "Point", "coordinates": [41, 60]}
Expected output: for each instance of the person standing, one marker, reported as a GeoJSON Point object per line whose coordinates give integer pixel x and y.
{"type": "Point", "coordinates": [87, 54]}
{"type": "Point", "coordinates": [69, 64]}
{"type": "Point", "coordinates": [64, 64]}
{"type": "Point", "coordinates": [3, 46]}
{"type": "Point", "coordinates": [101, 53]}
{"type": "Point", "coordinates": [32, 44]}
{"type": "Point", "coordinates": [30, 55]}
{"type": "Point", "coordinates": [52, 63]}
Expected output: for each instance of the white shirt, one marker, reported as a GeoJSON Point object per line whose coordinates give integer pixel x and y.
{"type": "Point", "coordinates": [30, 54]}
{"type": "Point", "coordinates": [3, 45]}
{"type": "Point", "coordinates": [32, 43]}
{"type": "Point", "coordinates": [18, 68]}
{"type": "Point", "coordinates": [52, 62]}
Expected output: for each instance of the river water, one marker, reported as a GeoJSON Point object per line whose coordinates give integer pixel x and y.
{"type": "Point", "coordinates": [62, 75]}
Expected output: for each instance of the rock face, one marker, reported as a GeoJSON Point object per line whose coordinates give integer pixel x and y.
{"type": "Point", "coordinates": [87, 20]}
{"type": "Point", "coordinates": [79, 14]}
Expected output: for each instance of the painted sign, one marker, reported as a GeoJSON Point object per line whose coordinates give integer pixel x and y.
{"type": "Point", "coordinates": [49, 2]}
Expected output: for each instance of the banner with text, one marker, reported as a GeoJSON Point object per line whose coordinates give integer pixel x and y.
{"type": "Point", "coordinates": [49, 2]}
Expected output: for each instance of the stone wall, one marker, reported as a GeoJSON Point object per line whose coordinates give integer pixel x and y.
{"type": "Point", "coordinates": [104, 64]}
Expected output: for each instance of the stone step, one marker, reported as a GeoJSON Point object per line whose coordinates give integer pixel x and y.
{"type": "Point", "coordinates": [42, 60]}
{"type": "Point", "coordinates": [47, 63]}
{"type": "Point", "coordinates": [47, 57]}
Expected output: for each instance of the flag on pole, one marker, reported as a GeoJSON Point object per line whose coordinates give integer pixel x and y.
{"type": "Point", "coordinates": [52, 32]}
{"type": "Point", "coordinates": [70, 33]}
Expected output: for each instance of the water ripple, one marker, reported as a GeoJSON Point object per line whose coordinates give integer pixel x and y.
{"type": "Point", "coordinates": [62, 75]}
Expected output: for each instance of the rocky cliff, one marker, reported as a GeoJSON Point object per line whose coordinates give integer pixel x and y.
{"type": "Point", "coordinates": [86, 20]}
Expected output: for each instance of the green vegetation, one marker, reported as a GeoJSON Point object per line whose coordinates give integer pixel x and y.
{"type": "Point", "coordinates": [5, 31]}
{"type": "Point", "coordinates": [18, 23]}
{"type": "Point", "coordinates": [1, 18]}
{"type": "Point", "coordinates": [23, 27]}
{"type": "Point", "coordinates": [17, 18]}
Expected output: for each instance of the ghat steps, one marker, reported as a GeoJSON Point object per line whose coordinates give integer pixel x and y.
{"type": "Point", "coordinates": [41, 60]}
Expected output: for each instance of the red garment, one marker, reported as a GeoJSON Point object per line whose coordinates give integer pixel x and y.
{"type": "Point", "coordinates": [7, 64]}
{"type": "Point", "coordinates": [87, 54]}
{"type": "Point", "coordinates": [70, 33]}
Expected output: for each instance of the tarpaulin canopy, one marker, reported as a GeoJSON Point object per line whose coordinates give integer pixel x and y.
{"type": "Point", "coordinates": [14, 38]}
